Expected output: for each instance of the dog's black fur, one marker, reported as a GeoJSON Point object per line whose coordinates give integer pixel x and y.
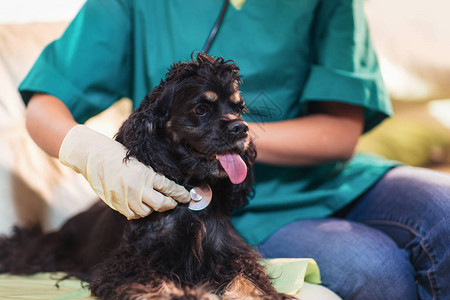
{"type": "Point", "coordinates": [178, 254]}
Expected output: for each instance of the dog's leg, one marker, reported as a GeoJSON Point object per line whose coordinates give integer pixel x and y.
{"type": "Point", "coordinates": [165, 291]}
{"type": "Point", "coordinates": [241, 288]}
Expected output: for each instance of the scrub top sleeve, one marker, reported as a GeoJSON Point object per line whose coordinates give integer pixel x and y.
{"type": "Point", "coordinates": [345, 67]}
{"type": "Point", "coordinates": [88, 68]}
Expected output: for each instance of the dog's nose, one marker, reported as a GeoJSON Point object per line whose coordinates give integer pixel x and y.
{"type": "Point", "coordinates": [238, 128]}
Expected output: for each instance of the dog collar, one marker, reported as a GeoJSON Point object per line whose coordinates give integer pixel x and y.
{"type": "Point", "coordinates": [201, 197]}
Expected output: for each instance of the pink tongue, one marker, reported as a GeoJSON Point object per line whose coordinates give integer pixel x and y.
{"type": "Point", "coordinates": [234, 166]}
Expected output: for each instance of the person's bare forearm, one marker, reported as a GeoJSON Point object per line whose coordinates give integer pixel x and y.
{"type": "Point", "coordinates": [328, 135]}
{"type": "Point", "coordinates": [48, 120]}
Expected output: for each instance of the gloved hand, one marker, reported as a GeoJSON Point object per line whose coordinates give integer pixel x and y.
{"type": "Point", "coordinates": [130, 187]}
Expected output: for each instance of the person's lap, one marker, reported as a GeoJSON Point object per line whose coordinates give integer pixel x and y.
{"type": "Point", "coordinates": [347, 257]}
{"type": "Point", "coordinates": [397, 234]}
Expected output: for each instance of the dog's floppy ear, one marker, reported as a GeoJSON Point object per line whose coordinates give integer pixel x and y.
{"type": "Point", "coordinates": [143, 132]}
{"type": "Point", "coordinates": [155, 109]}
{"type": "Point", "coordinates": [151, 115]}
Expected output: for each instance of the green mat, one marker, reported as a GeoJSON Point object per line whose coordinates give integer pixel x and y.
{"type": "Point", "coordinates": [288, 277]}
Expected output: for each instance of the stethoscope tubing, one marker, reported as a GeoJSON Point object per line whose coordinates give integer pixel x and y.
{"type": "Point", "coordinates": [216, 28]}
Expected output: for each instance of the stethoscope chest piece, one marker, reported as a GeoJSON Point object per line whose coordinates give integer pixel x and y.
{"type": "Point", "coordinates": [201, 197]}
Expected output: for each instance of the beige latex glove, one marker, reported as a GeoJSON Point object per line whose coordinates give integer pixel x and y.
{"type": "Point", "coordinates": [130, 187]}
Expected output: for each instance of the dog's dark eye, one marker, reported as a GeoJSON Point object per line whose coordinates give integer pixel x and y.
{"type": "Point", "coordinates": [242, 107]}
{"type": "Point", "coordinates": [201, 109]}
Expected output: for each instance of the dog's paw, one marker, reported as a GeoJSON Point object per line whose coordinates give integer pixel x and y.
{"type": "Point", "coordinates": [166, 291]}
{"type": "Point", "coordinates": [190, 294]}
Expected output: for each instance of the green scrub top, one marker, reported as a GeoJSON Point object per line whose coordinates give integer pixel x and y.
{"type": "Point", "coordinates": [290, 53]}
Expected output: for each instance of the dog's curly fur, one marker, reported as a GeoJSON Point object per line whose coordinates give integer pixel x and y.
{"type": "Point", "coordinates": [179, 254]}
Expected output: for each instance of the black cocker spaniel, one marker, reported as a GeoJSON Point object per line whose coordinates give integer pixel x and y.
{"type": "Point", "coordinates": [190, 129]}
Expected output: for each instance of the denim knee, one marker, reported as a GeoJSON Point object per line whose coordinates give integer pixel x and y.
{"type": "Point", "coordinates": [383, 273]}
{"type": "Point", "coordinates": [412, 206]}
{"type": "Point", "coordinates": [355, 261]}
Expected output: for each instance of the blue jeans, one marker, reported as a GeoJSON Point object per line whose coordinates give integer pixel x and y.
{"type": "Point", "coordinates": [391, 243]}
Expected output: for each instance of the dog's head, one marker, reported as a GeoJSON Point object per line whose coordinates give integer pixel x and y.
{"type": "Point", "coordinates": [190, 127]}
